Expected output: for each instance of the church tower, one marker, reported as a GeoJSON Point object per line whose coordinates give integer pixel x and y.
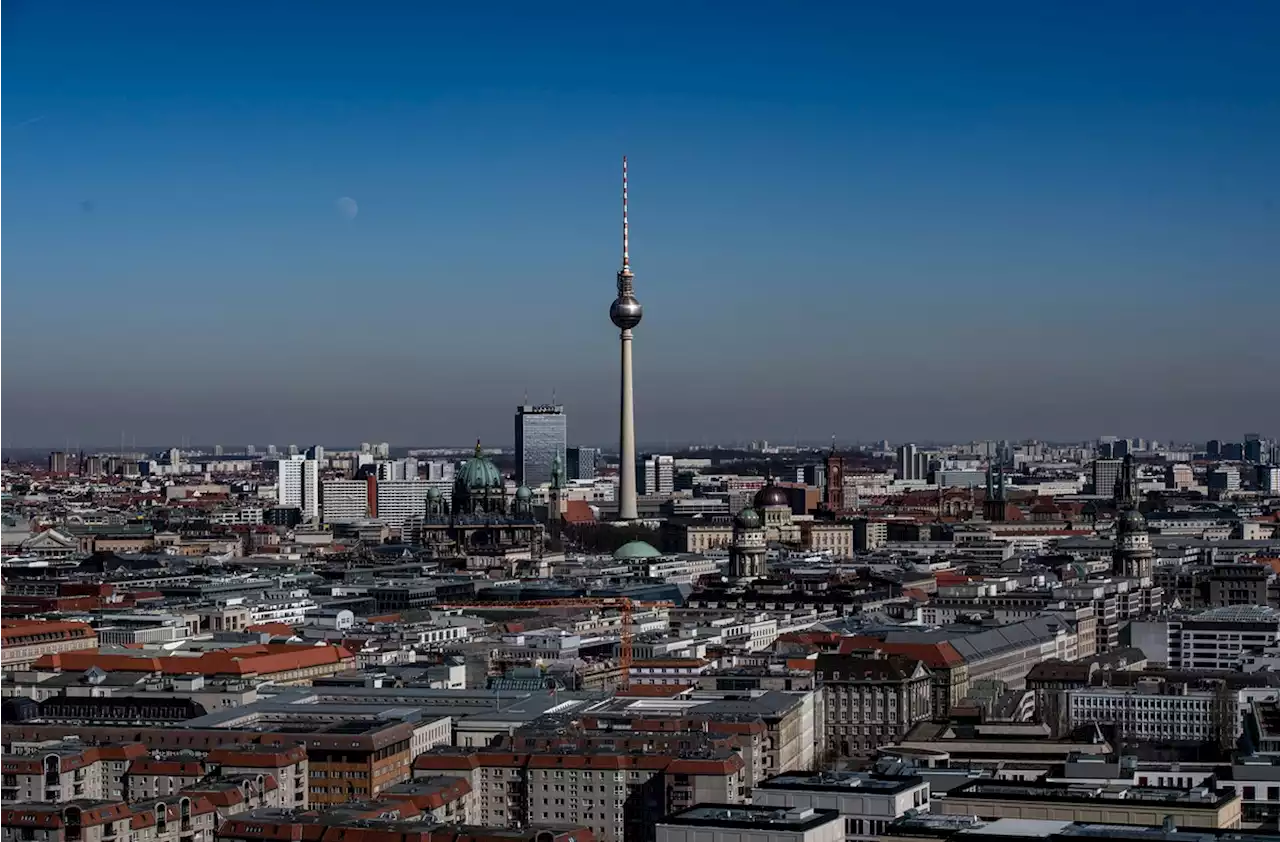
{"type": "Point", "coordinates": [747, 552]}
{"type": "Point", "coordinates": [1132, 556]}
{"type": "Point", "coordinates": [993, 505]}
{"type": "Point", "coordinates": [835, 480]}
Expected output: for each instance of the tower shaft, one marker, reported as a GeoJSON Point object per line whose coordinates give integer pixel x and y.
{"type": "Point", "coordinates": [626, 438]}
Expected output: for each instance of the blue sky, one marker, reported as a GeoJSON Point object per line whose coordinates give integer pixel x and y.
{"type": "Point", "coordinates": [904, 221]}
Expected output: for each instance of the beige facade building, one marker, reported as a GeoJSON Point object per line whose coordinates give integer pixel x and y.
{"type": "Point", "coordinates": [1092, 803]}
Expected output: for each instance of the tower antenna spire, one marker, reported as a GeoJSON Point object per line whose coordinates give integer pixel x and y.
{"type": "Point", "coordinates": [626, 232]}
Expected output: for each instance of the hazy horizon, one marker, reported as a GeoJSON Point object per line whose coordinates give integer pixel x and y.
{"type": "Point", "coordinates": [276, 223]}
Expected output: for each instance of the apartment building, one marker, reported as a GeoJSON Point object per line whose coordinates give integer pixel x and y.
{"type": "Point", "coordinates": [286, 764]}
{"type": "Point", "coordinates": [63, 770]}
{"type": "Point", "coordinates": [617, 796]}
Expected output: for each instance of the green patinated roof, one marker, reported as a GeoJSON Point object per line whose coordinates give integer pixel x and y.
{"type": "Point", "coordinates": [636, 549]}
{"type": "Point", "coordinates": [479, 472]}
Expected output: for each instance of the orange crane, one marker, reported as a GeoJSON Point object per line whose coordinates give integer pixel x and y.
{"type": "Point", "coordinates": [624, 604]}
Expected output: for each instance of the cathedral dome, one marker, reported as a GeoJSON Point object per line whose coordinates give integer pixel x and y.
{"type": "Point", "coordinates": [633, 550]}
{"type": "Point", "coordinates": [748, 518]}
{"type": "Point", "coordinates": [433, 493]}
{"type": "Point", "coordinates": [771, 495]}
{"type": "Point", "coordinates": [523, 493]}
{"type": "Point", "coordinates": [1130, 522]}
{"type": "Point", "coordinates": [479, 472]}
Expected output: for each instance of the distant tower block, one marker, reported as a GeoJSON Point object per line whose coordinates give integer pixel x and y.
{"type": "Point", "coordinates": [625, 312]}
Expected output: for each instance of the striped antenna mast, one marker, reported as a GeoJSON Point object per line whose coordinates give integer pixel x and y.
{"type": "Point", "coordinates": [626, 256]}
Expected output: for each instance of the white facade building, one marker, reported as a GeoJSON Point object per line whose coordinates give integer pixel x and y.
{"type": "Point", "coordinates": [1222, 638]}
{"type": "Point", "coordinates": [298, 485]}
{"type": "Point", "coordinates": [867, 803]}
{"type": "Point", "coordinates": [345, 500]}
{"type": "Point", "coordinates": [741, 823]}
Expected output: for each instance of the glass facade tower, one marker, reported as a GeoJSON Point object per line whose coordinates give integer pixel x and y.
{"type": "Point", "coordinates": [541, 436]}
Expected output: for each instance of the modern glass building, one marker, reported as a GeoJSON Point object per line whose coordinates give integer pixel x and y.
{"type": "Point", "coordinates": [541, 434]}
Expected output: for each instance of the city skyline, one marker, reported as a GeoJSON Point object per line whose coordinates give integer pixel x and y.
{"type": "Point", "coordinates": [994, 226]}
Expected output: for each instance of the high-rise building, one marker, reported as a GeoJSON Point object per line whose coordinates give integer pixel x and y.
{"type": "Point", "coordinates": [1268, 479]}
{"type": "Point", "coordinates": [397, 469]}
{"type": "Point", "coordinates": [349, 500]}
{"type": "Point", "coordinates": [541, 436]}
{"type": "Point", "coordinates": [625, 313]}
{"type": "Point", "coordinates": [315, 452]}
{"type": "Point", "coordinates": [271, 450]}
{"type": "Point", "coordinates": [383, 450]}
{"type": "Point", "coordinates": [175, 456]}
{"type": "Point", "coordinates": [217, 450]}
{"type": "Point", "coordinates": [658, 475]}
{"type": "Point", "coordinates": [365, 447]}
{"type": "Point", "coordinates": [913, 463]}
{"type": "Point", "coordinates": [581, 462]}
{"type": "Point", "coordinates": [1254, 447]}
{"type": "Point", "coordinates": [1105, 474]}
{"type": "Point", "coordinates": [1179, 477]}
{"type": "Point", "coordinates": [298, 485]}
{"type": "Point", "coordinates": [250, 450]}
{"type": "Point", "coordinates": [293, 450]}
{"type": "Point", "coordinates": [58, 462]}
{"type": "Point", "coordinates": [1224, 479]}
{"type": "Point", "coordinates": [1213, 449]}
{"type": "Point", "coordinates": [1233, 451]}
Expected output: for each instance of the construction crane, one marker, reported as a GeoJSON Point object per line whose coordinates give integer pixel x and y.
{"type": "Point", "coordinates": [624, 604]}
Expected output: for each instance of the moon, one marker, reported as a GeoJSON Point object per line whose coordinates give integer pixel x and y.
{"type": "Point", "coordinates": [347, 207]}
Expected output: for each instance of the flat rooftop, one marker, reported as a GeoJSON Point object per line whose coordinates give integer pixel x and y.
{"type": "Point", "coordinates": [861, 781]}
{"type": "Point", "coordinates": [747, 817]}
{"type": "Point", "coordinates": [1198, 797]}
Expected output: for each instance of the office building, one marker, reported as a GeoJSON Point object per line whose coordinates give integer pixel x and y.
{"type": "Point", "coordinates": [1213, 449]}
{"type": "Point", "coordinates": [1179, 477]}
{"type": "Point", "coordinates": [1268, 479]}
{"type": "Point", "coordinates": [217, 450]}
{"type": "Point", "coordinates": [315, 452]}
{"type": "Point", "coordinates": [866, 801]}
{"type": "Point", "coordinates": [1224, 480]}
{"type": "Point", "coordinates": [1156, 712]}
{"type": "Point", "coordinates": [400, 499]}
{"type": "Point", "coordinates": [871, 700]}
{"type": "Point", "coordinates": [298, 485]}
{"type": "Point", "coordinates": [741, 823]}
{"type": "Point", "coordinates": [913, 463]}
{"type": "Point", "coordinates": [271, 450]}
{"type": "Point", "coordinates": [1105, 474]}
{"type": "Point", "coordinates": [541, 436]}
{"type": "Point", "coordinates": [58, 462]}
{"type": "Point", "coordinates": [658, 475]}
{"type": "Point", "coordinates": [581, 462]}
{"type": "Point", "coordinates": [1005, 799]}
{"type": "Point", "coordinates": [250, 450]}
{"type": "Point", "coordinates": [293, 451]}
{"type": "Point", "coordinates": [1220, 638]}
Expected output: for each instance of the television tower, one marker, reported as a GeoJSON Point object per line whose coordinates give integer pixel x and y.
{"type": "Point", "coordinates": [625, 312]}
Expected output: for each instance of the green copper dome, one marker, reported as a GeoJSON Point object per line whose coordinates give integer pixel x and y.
{"type": "Point", "coordinates": [479, 472]}
{"type": "Point", "coordinates": [523, 493]}
{"type": "Point", "coordinates": [748, 518]}
{"type": "Point", "coordinates": [635, 550]}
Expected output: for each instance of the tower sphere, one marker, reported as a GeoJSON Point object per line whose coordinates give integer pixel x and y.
{"type": "Point", "coordinates": [625, 312]}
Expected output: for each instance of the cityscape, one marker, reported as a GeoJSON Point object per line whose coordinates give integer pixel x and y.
{"type": "Point", "coordinates": [626, 619]}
